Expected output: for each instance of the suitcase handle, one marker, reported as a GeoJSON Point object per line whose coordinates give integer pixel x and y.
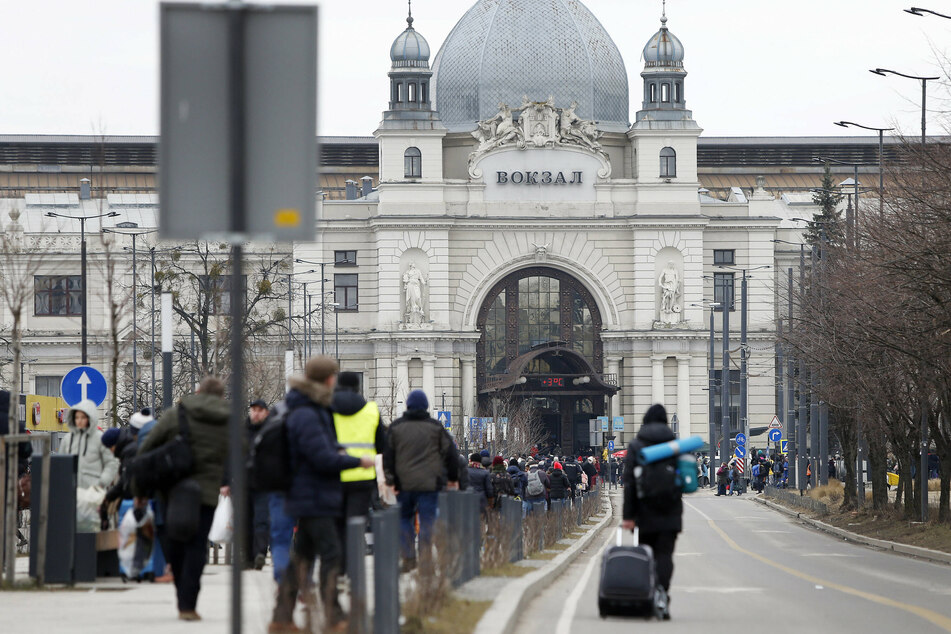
{"type": "Point", "coordinates": [620, 536]}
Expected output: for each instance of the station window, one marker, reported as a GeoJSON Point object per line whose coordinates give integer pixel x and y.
{"type": "Point", "coordinates": [668, 163]}
{"type": "Point", "coordinates": [412, 163]}
{"type": "Point", "coordinates": [345, 258]}
{"type": "Point", "coordinates": [724, 256]}
{"type": "Point", "coordinates": [58, 295]}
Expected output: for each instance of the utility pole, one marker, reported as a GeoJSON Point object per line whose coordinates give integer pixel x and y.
{"type": "Point", "coordinates": [744, 413]}
{"type": "Point", "coordinates": [152, 349]}
{"type": "Point", "coordinates": [791, 425]}
{"type": "Point", "coordinates": [726, 427]}
{"type": "Point", "coordinates": [711, 382]}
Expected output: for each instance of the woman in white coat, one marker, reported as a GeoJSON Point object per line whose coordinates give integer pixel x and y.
{"type": "Point", "coordinates": [97, 466]}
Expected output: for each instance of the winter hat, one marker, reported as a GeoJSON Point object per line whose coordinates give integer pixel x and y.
{"type": "Point", "coordinates": [139, 419]}
{"type": "Point", "coordinates": [656, 414]}
{"type": "Point", "coordinates": [260, 402]}
{"type": "Point", "coordinates": [417, 400]}
{"type": "Point", "coordinates": [558, 466]}
{"type": "Point", "coordinates": [484, 453]}
{"type": "Point", "coordinates": [110, 437]}
{"type": "Point", "coordinates": [497, 461]}
{"type": "Point", "coordinates": [320, 369]}
{"type": "Point", "coordinates": [475, 458]}
{"type": "Point", "coordinates": [349, 381]}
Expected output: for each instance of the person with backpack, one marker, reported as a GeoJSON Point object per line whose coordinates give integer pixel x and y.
{"type": "Point", "coordinates": [560, 486]}
{"type": "Point", "coordinates": [480, 482]}
{"type": "Point", "coordinates": [589, 470]}
{"type": "Point", "coordinates": [573, 473]}
{"type": "Point", "coordinates": [315, 496]}
{"type": "Point", "coordinates": [777, 471]}
{"type": "Point", "coordinates": [537, 484]}
{"type": "Point", "coordinates": [653, 496]}
{"type": "Point", "coordinates": [502, 483]}
{"type": "Point", "coordinates": [518, 477]}
{"type": "Point", "coordinates": [723, 478]}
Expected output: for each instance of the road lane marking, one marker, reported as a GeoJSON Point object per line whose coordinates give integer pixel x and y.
{"type": "Point", "coordinates": [718, 590]}
{"type": "Point", "coordinates": [780, 532]}
{"type": "Point", "coordinates": [828, 555]}
{"type": "Point", "coordinates": [571, 603]}
{"type": "Point", "coordinates": [940, 620]}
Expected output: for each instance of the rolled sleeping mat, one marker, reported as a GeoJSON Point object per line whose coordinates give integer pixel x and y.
{"type": "Point", "coordinates": [670, 449]}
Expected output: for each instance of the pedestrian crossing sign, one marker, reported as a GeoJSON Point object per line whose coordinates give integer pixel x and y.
{"type": "Point", "coordinates": [784, 447]}
{"type": "Point", "coordinates": [445, 418]}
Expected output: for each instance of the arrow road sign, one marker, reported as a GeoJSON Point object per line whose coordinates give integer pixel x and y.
{"type": "Point", "coordinates": [741, 439]}
{"type": "Point", "coordinates": [83, 383]}
{"type": "Point", "coordinates": [740, 451]}
{"type": "Point", "coordinates": [445, 418]}
{"type": "Point", "coordinates": [610, 445]}
{"type": "Point", "coordinates": [775, 435]}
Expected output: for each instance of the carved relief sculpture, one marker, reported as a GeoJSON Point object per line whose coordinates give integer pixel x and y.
{"type": "Point", "coordinates": [670, 288]}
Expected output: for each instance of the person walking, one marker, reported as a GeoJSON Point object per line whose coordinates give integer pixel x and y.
{"type": "Point", "coordinates": [537, 484]}
{"type": "Point", "coordinates": [723, 478]}
{"type": "Point", "coordinates": [480, 482]}
{"type": "Point", "coordinates": [502, 483]}
{"type": "Point", "coordinates": [420, 460]}
{"type": "Point", "coordinates": [589, 470]}
{"type": "Point", "coordinates": [657, 511]}
{"type": "Point", "coordinates": [519, 479]}
{"type": "Point", "coordinates": [315, 498]}
{"type": "Point", "coordinates": [206, 413]}
{"type": "Point", "coordinates": [560, 486]}
{"type": "Point", "coordinates": [258, 514]}
{"type": "Point", "coordinates": [97, 466]}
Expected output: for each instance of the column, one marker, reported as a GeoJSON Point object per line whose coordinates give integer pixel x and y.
{"type": "Point", "coordinates": [429, 381]}
{"type": "Point", "coordinates": [657, 379]}
{"type": "Point", "coordinates": [402, 380]}
{"type": "Point", "coordinates": [468, 389]}
{"type": "Point", "coordinates": [683, 396]}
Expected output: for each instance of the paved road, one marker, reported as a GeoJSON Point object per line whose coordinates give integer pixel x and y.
{"type": "Point", "coordinates": [738, 560]}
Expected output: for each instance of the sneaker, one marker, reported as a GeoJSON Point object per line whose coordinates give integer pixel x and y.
{"type": "Point", "coordinates": [188, 615]}
{"type": "Point", "coordinates": [259, 561]}
{"type": "Point", "coordinates": [277, 628]}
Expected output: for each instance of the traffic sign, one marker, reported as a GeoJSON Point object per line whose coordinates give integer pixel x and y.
{"type": "Point", "coordinates": [610, 445]}
{"type": "Point", "coordinates": [784, 447]}
{"type": "Point", "coordinates": [740, 451]}
{"type": "Point", "coordinates": [774, 423]}
{"type": "Point", "coordinates": [775, 435]}
{"type": "Point", "coordinates": [741, 439]}
{"type": "Point", "coordinates": [83, 383]}
{"type": "Point", "coordinates": [445, 418]}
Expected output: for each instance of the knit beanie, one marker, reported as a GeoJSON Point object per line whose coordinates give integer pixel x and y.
{"type": "Point", "coordinates": [475, 458]}
{"type": "Point", "coordinates": [417, 400]}
{"type": "Point", "coordinates": [139, 419]}
{"type": "Point", "coordinates": [320, 368]}
{"type": "Point", "coordinates": [110, 437]}
{"type": "Point", "coordinates": [656, 414]}
{"type": "Point", "coordinates": [558, 466]}
{"type": "Point", "coordinates": [498, 460]}
{"type": "Point", "coordinates": [349, 381]}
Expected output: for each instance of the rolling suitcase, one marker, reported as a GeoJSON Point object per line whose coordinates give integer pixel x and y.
{"type": "Point", "coordinates": [628, 583]}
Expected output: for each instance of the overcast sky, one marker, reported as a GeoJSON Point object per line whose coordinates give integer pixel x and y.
{"type": "Point", "coordinates": [756, 67]}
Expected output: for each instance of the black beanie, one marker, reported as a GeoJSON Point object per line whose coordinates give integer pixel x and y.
{"type": "Point", "coordinates": [348, 381]}
{"type": "Point", "coordinates": [656, 414]}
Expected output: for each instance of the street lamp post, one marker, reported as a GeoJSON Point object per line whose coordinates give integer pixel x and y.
{"type": "Point", "coordinates": [881, 159]}
{"type": "Point", "coordinates": [323, 295]}
{"type": "Point", "coordinates": [336, 308]}
{"type": "Point", "coordinates": [82, 232]}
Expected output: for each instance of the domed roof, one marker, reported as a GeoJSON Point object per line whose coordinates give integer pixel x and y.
{"type": "Point", "coordinates": [502, 50]}
{"type": "Point", "coordinates": [410, 49]}
{"type": "Point", "coordinates": [663, 49]}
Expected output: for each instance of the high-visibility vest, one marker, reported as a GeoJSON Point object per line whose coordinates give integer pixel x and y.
{"type": "Point", "coordinates": [357, 434]}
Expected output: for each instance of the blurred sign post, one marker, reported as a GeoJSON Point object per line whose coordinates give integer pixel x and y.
{"type": "Point", "coordinates": [238, 156]}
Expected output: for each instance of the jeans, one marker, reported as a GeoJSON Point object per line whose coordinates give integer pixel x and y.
{"type": "Point", "coordinates": [721, 488]}
{"type": "Point", "coordinates": [535, 504]}
{"type": "Point", "coordinates": [258, 525]}
{"type": "Point", "coordinates": [426, 503]}
{"type": "Point", "coordinates": [662, 544]}
{"type": "Point", "coordinates": [282, 533]}
{"type": "Point", "coordinates": [316, 537]}
{"type": "Point", "coordinates": [188, 561]}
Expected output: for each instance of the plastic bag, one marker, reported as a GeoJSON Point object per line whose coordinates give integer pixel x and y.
{"type": "Point", "coordinates": [222, 527]}
{"type": "Point", "coordinates": [136, 540]}
{"type": "Point", "coordinates": [87, 509]}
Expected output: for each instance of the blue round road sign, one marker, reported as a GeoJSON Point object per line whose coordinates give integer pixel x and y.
{"type": "Point", "coordinates": [83, 383]}
{"type": "Point", "coordinates": [740, 451]}
{"type": "Point", "coordinates": [741, 439]}
{"type": "Point", "coordinates": [775, 435]}
{"type": "Point", "coordinates": [610, 445]}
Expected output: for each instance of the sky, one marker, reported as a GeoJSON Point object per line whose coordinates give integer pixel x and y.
{"type": "Point", "coordinates": [756, 67]}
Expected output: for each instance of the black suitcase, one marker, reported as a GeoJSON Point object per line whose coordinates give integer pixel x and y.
{"type": "Point", "coordinates": [628, 584]}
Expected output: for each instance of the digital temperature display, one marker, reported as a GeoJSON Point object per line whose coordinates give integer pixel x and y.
{"type": "Point", "coordinates": [553, 381]}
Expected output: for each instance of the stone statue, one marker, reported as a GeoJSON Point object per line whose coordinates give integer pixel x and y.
{"type": "Point", "coordinates": [669, 282]}
{"type": "Point", "coordinates": [413, 282]}
{"type": "Point", "coordinates": [575, 130]}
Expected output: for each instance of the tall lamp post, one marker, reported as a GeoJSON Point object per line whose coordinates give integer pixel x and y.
{"type": "Point", "coordinates": [323, 294]}
{"type": "Point", "coordinates": [82, 231]}
{"type": "Point", "coordinates": [336, 308]}
{"type": "Point", "coordinates": [711, 391]}
{"type": "Point", "coordinates": [881, 159]}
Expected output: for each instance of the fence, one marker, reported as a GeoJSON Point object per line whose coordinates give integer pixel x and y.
{"type": "Point", "coordinates": [794, 499]}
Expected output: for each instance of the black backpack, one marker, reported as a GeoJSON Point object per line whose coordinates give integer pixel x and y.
{"type": "Point", "coordinates": [269, 458]}
{"type": "Point", "coordinates": [502, 483]}
{"type": "Point", "coordinates": [166, 465]}
{"type": "Point", "coordinates": [659, 486]}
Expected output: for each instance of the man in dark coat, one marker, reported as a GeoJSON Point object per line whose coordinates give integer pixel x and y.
{"type": "Point", "coordinates": [560, 486]}
{"type": "Point", "coordinates": [480, 482]}
{"type": "Point", "coordinates": [659, 521]}
{"type": "Point", "coordinates": [420, 460]}
{"type": "Point", "coordinates": [316, 494]}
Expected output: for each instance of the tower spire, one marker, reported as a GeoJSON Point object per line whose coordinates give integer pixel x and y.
{"type": "Point", "coordinates": [663, 15]}
{"type": "Point", "coordinates": [409, 18]}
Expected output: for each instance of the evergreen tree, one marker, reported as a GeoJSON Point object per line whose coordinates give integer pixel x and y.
{"type": "Point", "coordinates": [827, 217]}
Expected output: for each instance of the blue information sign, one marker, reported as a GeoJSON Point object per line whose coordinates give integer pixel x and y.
{"type": "Point", "coordinates": [610, 445]}
{"type": "Point", "coordinates": [445, 418]}
{"type": "Point", "coordinates": [83, 383]}
{"type": "Point", "coordinates": [618, 423]}
{"type": "Point", "coordinates": [741, 439]}
{"type": "Point", "coordinates": [775, 435]}
{"type": "Point", "coordinates": [784, 446]}
{"type": "Point", "coordinates": [603, 420]}
{"type": "Point", "coordinates": [740, 451]}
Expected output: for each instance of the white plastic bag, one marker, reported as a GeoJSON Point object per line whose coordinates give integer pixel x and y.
{"type": "Point", "coordinates": [87, 509]}
{"type": "Point", "coordinates": [136, 540]}
{"type": "Point", "coordinates": [222, 527]}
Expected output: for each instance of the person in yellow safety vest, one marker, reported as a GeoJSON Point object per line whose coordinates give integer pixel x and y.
{"type": "Point", "coordinates": [361, 432]}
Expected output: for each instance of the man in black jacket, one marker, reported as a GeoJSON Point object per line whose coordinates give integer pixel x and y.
{"type": "Point", "coordinates": [573, 473]}
{"type": "Point", "coordinates": [420, 457]}
{"type": "Point", "coordinates": [659, 520]}
{"type": "Point", "coordinates": [480, 482]}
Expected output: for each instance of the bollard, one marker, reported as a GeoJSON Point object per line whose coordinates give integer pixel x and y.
{"type": "Point", "coordinates": [561, 518]}
{"type": "Point", "coordinates": [580, 512]}
{"type": "Point", "coordinates": [515, 529]}
{"type": "Point", "coordinates": [357, 572]}
{"type": "Point", "coordinates": [475, 534]}
{"type": "Point", "coordinates": [386, 570]}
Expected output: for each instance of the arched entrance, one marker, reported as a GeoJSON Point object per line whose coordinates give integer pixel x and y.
{"type": "Point", "coordinates": [541, 346]}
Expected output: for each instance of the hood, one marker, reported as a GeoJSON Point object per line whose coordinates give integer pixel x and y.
{"type": "Point", "coordinates": [655, 433]}
{"type": "Point", "coordinates": [207, 408]}
{"type": "Point", "coordinates": [513, 469]}
{"type": "Point", "coordinates": [347, 403]}
{"type": "Point", "coordinates": [88, 408]}
{"type": "Point", "coordinates": [313, 391]}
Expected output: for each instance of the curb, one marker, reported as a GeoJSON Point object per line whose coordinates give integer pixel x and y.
{"type": "Point", "coordinates": [504, 611]}
{"type": "Point", "coordinates": [935, 556]}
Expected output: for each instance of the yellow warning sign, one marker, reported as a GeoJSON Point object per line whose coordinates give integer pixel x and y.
{"type": "Point", "coordinates": [287, 218]}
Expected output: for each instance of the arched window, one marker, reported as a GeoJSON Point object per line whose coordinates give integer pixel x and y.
{"type": "Point", "coordinates": [399, 93]}
{"type": "Point", "coordinates": [653, 93]}
{"type": "Point", "coordinates": [665, 93]}
{"type": "Point", "coordinates": [677, 96]}
{"type": "Point", "coordinates": [423, 97]}
{"type": "Point", "coordinates": [412, 163]}
{"type": "Point", "coordinates": [412, 93]}
{"type": "Point", "coordinates": [668, 163]}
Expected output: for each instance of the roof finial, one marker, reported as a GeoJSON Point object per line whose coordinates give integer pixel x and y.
{"type": "Point", "coordinates": [409, 18]}
{"type": "Point", "coordinates": [663, 15]}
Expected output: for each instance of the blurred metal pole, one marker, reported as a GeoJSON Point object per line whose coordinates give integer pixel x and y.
{"type": "Point", "coordinates": [167, 343]}
{"type": "Point", "coordinates": [790, 431]}
{"type": "Point", "coordinates": [386, 570]}
{"type": "Point", "coordinates": [152, 348]}
{"type": "Point", "coordinates": [744, 422]}
{"type": "Point", "coordinates": [711, 400]}
{"type": "Point", "coordinates": [725, 387]}
{"type": "Point", "coordinates": [923, 465]}
{"type": "Point", "coordinates": [357, 572]}
{"type": "Point", "coordinates": [801, 421]}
